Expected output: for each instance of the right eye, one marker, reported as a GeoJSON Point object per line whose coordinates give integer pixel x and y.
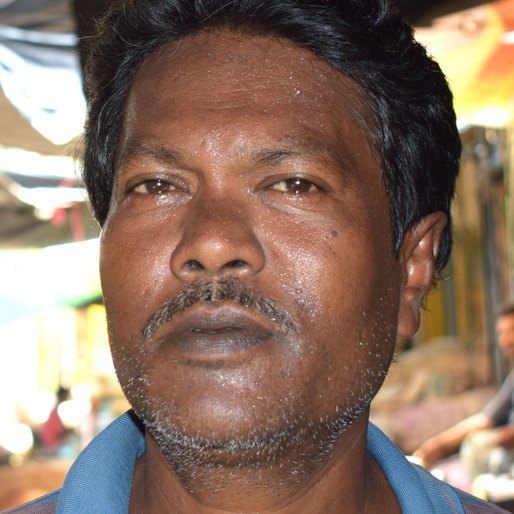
{"type": "Point", "coordinates": [154, 187]}
{"type": "Point", "coordinates": [296, 186]}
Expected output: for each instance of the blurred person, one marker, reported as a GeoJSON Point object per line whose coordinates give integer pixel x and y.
{"type": "Point", "coordinates": [274, 180]}
{"type": "Point", "coordinates": [486, 439]}
{"type": "Point", "coordinates": [53, 433]}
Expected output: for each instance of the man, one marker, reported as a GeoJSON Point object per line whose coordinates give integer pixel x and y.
{"type": "Point", "coordinates": [274, 180]}
{"type": "Point", "coordinates": [488, 436]}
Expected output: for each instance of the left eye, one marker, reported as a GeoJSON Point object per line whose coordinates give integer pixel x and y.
{"type": "Point", "coordinates": [154, 187]}
{"type": "Point", "coordinates": [296, 186]}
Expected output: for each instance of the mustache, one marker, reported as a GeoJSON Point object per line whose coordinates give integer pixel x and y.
{"type": "Point", "coordinates": [215, 292]}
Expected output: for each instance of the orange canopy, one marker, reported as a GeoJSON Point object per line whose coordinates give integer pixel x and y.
{"type": "Point", "coordinates": [475, 49]}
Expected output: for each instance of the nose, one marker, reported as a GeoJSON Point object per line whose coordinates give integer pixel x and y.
{"type": "Point", "coordinates": [217, 241]}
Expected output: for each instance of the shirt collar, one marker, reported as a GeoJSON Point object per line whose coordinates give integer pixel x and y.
{"type": "Point", "coordinates": [100, 479]}
{"type": "Point", "coordinates": [416, 490]}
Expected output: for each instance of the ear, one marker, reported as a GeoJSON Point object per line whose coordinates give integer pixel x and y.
{"type": "Point", "coordinates": [418, 255]}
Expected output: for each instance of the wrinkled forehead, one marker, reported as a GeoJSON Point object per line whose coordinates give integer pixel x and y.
{"type": "Point", "coordinates": [222, 72]}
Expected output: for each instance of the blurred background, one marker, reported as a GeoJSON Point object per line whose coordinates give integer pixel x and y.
{"type": "Point", "coordinates": [57, 385]}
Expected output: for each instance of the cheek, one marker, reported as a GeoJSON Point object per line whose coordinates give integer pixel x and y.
{"type": "Point", "coordinates": [329, 272]}
{"type": "Point", "coordinates": [347, 302]}
{"type": "Point", "coordinates": [134, 268]}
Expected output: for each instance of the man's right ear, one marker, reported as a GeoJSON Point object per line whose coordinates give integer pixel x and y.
{"type": "Point", "coordinates": [418, 256]}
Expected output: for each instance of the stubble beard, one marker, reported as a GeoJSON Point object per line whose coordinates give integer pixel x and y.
{"type": "Point", "coordinates": [285, 445]}
{"type": "Point", "coordinates": [284, 450]}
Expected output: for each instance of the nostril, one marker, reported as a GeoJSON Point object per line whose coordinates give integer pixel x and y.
{"type": "Point", "coordinates": [194, 265]}
{"type": "Point", "coordinates": [236, 264]}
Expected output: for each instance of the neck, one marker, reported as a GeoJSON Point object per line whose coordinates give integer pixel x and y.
{"type": "Point", "coordinates": [348, 480]}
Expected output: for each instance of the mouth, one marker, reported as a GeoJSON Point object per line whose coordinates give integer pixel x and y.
{"type": "Point", "coordinates": [214, 332]}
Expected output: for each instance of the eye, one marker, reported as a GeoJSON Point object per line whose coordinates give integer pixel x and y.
{"type": "Point", "coordinates": [295, 186]}
{"type": "Point", "coordinates": [154, 187]}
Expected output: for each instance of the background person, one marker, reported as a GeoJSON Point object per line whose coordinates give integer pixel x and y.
{"type": "Point", "coordinates": [53, 433]}
{"type": "Point", "coordinates": [485, 439]}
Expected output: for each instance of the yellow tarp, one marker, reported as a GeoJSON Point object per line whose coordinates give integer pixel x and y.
{"type": "Point", "coordinates": [475, 49]}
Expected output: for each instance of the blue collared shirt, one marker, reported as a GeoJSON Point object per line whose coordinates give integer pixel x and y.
{"type": "Point", "coordinates": [100, 480]}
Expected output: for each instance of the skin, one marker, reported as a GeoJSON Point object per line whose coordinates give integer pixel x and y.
{"type": "Point", "coordinates": [505, 336]}
{"type": "Point", "coordinates": [447, 442]}
{"type": "Point", "coordinates": [241, 157]}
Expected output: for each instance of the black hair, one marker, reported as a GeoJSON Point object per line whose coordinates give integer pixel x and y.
{"type": "Point", "coordinates": [506, 309]}
{"type": "Point", "coordinates": [406, 96]}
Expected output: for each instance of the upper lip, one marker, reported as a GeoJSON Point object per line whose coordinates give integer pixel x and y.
{"type": "Point", "coordinates": [216, 318]}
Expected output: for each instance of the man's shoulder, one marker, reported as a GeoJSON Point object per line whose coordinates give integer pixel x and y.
{"type": "Point", "coordinates": [418, 490]}
{"type": "Point", "coordinates": [474, 505]}
{"type": "Point", "coordinates": [453, 496]}
{"type": "Point", "coordinates": [43, 505]}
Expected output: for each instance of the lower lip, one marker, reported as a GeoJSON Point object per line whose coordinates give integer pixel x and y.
{"type": "Point", "coordinates": [214, 344]}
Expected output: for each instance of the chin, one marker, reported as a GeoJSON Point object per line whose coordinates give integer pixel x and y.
{"type": "Point", "coordinates": [190, 440]}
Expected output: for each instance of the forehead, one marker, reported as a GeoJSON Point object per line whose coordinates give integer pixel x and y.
{"type": "Point", "coordinates": [236, 62]}
{"type": "Point", "coordinates": [208, 79]}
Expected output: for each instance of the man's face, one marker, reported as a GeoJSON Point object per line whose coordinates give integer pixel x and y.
{"type": "Point", "coordinates": [505, 335]}
{"type": "Point", "coordinates": [241, 162]}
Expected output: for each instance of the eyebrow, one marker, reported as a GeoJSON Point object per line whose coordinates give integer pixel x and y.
{"type": "Point", "coordinates": [158, 153]}
{"type": "Point", "coordinates": [287, 148]}
{"type": "Point", "coordinates": [292, 147]}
